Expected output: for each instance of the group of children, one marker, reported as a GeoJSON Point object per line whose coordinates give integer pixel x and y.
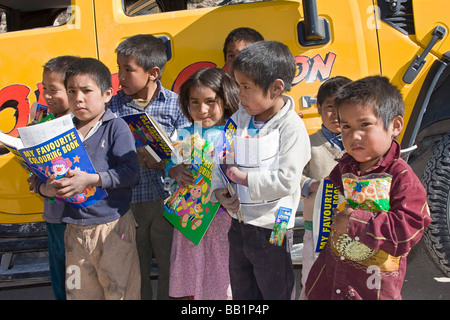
{"type": "Point", "coordinates": [114, 240]}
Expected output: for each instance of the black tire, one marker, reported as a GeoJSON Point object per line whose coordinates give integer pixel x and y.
{"type": "Point", "coordinates": [436, 180]}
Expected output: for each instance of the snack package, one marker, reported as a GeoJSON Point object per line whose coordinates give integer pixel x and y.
{"type": "Point", "coordinates": [280, 226]}
{"type": "Point", "coordinates": [370, 193]}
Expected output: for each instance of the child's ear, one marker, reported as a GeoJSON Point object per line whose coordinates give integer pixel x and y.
{"type": "Point", "coordinates": [277, 88]}
{"type": "Point", "coordinates": [154, 73]}
{"type": "Point", "coordinates": [397, 126]}
{"type": "Point", "coordinates": [319, 109]}
{"type": "Point", "coordinates": [107, 95]}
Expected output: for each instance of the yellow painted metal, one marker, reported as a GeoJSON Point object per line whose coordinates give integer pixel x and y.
{"type": "Point", "coordinates": [198, 35]}
{"type": "Point", "coordinates": [427, 15]}
{"type": "Point", "coordinates": [22, 56]}
{"type": "Point", "coordinates": [398, 50]}
{"type": "Point", "coordinates": [359, 45]}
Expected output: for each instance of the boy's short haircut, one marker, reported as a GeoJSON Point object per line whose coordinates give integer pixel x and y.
{"type": "Point", "coordinates": [266, 61]}
{"type": "Point", "coordinates": [376, 92]}
{"type": "Point", "coordinates": [218, 81]}
{"type": "Point", "coordinates": [330, 87]}
{"type": "Point", "coordinates": [60, 64]}
{"type": "Point", "coordinates": [147, 50]}
{"type": "Point", "coordinates": [93, 68]}
{"type": "Point", "coordinates": [248, 35]}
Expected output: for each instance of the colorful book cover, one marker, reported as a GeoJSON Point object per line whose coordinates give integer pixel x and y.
{"type": "Point", "coordinates": [61, 153]}
{"type": "Point", "coordinates": [280, 226]}
{"type": "Point", "coordinates": [41, 112]}
{"type": "Point", "coordinates": [150, 136]}
{"type": "Point", "coordinates": [189, 208]}
{"type": "Point", "coordinates": [224, 148]}
{"type": "Point", "coordinates": [327, 198]}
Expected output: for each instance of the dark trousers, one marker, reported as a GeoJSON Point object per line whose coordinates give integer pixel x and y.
{"type": "Point", "coordinates": [259, 269]}
{"type": "Point", "coordinates": [57, 258]}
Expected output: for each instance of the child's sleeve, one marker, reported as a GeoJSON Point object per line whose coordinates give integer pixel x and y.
{"type": "Point", "coordinates": [124, 172]}
{"type": "Point", "coordinates": [399, 229]}
{"type": "Point", "coordinates": [216, 180]}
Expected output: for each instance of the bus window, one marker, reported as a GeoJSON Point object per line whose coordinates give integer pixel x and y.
{"type": "Point", "coordinates": [3, 27]}
{"type": "Point", "coordinates": [23, 15]}
{"type": "Point", "coordinates": [142, 7]}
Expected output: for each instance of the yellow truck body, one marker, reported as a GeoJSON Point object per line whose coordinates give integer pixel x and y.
{"type": "Point", "coordinates": [353, 38]}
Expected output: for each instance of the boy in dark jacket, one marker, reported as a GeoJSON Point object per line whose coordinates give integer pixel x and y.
{"type": "Point", "coordinates": [100, 240]}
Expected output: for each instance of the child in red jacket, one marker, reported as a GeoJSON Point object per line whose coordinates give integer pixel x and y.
{"type": "Point", "coordinates": [366, 256]}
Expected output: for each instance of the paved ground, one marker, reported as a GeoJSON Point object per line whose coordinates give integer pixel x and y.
{"type": "Point", "coordinates": [423, 282]}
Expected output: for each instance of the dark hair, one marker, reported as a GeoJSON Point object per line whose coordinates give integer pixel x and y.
{"type": "Point", "coordinates": [266, 61]}
{"type": "Point", "coordinates": [248, 35]}
{"type": "Point", "coordinates": [217, 80]}
{"type": "Point", "coordinates": [330, 87]}
{"type": "Point", "coordinates": [376, 92]}
{"type": "Point", "coordinates": [148, 51]}
{"type": "Point", "coordinates": [93, 68]}
{"type": "Point", "coordinates": [60, 64]}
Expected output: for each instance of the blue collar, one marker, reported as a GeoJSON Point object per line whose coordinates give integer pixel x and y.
{"type": "Point", "coordinates": [334, 138]}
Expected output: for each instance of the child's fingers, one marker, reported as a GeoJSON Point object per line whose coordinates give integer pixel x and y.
{"type": "Point", "coordinates": [231, 203]}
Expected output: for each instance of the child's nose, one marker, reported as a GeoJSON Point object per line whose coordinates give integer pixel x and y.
{"type": "Point", "coordinates": [204, 107]}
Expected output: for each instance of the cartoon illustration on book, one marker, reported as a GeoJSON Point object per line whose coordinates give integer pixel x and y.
{"type": "Point", "coordinates": [188, 204]}
{"type": "Point", "coordinates": [188, 209]}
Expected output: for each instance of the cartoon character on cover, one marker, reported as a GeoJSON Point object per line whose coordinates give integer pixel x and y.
{"type": "Point", "coordinates": [191, 204]}
{"type": "Point", "coordinates": [83, 195]}
{"type": "Point", "coordinates": [60, 166]}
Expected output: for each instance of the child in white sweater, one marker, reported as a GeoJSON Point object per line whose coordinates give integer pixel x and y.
{"type": "Point", "coordinates": [266, 120]}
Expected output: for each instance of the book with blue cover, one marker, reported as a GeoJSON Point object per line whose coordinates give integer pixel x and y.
{"type": "Point", "coordinates": [55, 147]}
{"type": "Point", "coordinates": [149, 136]}
{"type": "Point", "coordinates": [327, 198]}
{"type": "Point", "coordinates": [225, 147]}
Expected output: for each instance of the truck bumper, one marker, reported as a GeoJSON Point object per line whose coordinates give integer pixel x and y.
{"type": "Point", "coordinates": [23, 254]}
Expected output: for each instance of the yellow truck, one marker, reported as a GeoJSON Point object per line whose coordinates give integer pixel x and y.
{"type": "Point", "coordinates": [405, 40]}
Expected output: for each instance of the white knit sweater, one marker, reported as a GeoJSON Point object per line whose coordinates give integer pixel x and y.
{"type": "Point", "coordinates": [279, 186]}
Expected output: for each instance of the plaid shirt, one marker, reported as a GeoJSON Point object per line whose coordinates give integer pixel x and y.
{"type": "Point", "coordinates": [165, 109]}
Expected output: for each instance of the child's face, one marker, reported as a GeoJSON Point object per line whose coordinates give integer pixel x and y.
{"type": "Point", "coordinates": [329, 116]}
{"type": "Point", "coordinates": [86, 101]}
{"type": "Point", "coordinates": [363, 133]}
{"type": "Point", "coordinates": [55, 95]}
{"type": "Point", "coordinates": [205, 106]}
{"type": "Point", "coordinates": [262, 105]}
{"type": "Point", "coordinates": [133, 79]}
{"type": "Point", "coordinates": [233, 50]}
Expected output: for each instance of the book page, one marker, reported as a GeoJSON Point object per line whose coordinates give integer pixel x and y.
{"type": "Point", "coordinates": [39, 133]}
{"type": "Point", "coordinates": [9, 141]}
{"type": "Point", "coordinates": [256, 154]}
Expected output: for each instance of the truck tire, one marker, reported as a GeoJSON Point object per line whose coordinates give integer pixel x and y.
{"type": "Point", "coordinates": [436, 180]}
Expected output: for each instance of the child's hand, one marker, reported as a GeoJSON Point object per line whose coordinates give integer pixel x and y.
{"type": "Point", "coordinates": [157, 166]}
{"type": "Point", "coordinates": [75, 182]}
{"type": "Point", "coordinates": [234, 174]}
{"type": "Point", "coordinates": [180, 173]}
{"type": "Point", "coordinates": [340, 221]}
{"type": "Point", "coordinates": [314, 187]}
{"type": "Point", "coordinates": [231, 203]}
{"type": "Point", "coordinates": [32, 181]}
{"type": "Point", "coordinates": [48, 188]}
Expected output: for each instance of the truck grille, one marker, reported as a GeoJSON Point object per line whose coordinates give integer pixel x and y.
{"type": "Point", "coordinates": [398, 14]}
